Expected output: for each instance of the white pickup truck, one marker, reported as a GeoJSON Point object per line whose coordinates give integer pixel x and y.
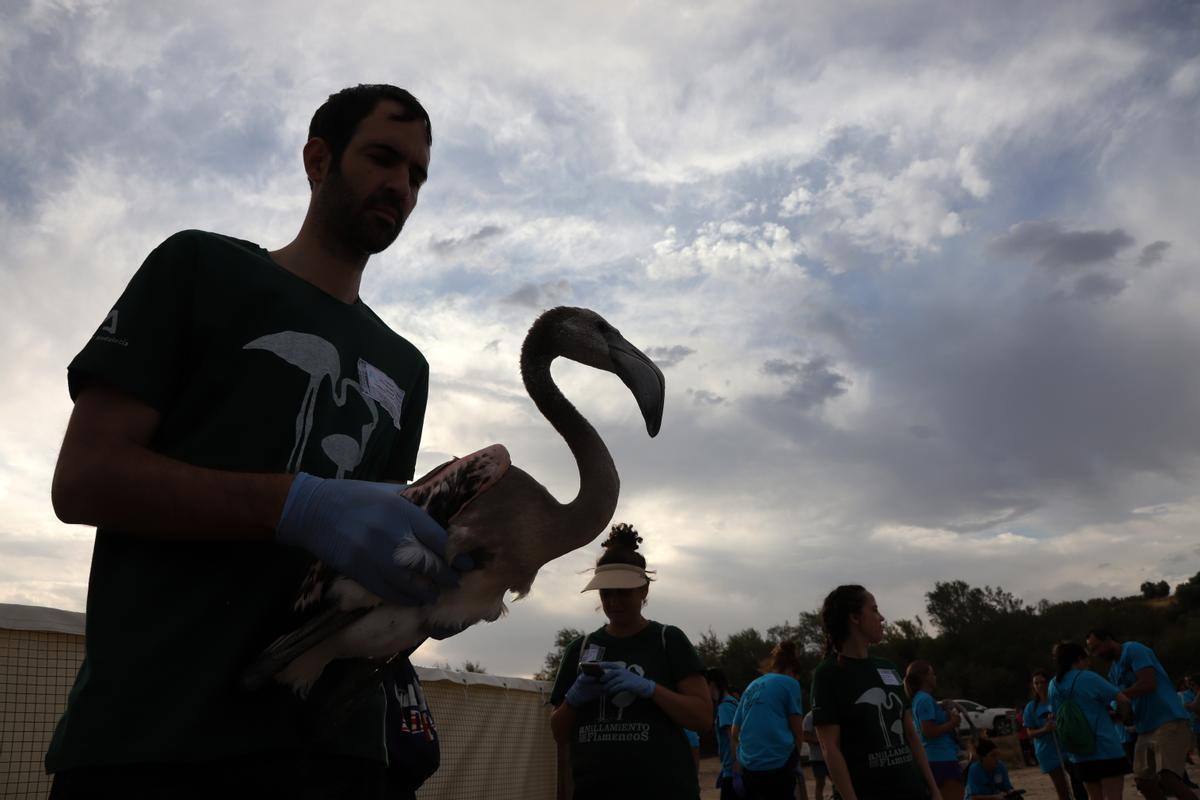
{"type": "Point", "coordinates": [996, 721]}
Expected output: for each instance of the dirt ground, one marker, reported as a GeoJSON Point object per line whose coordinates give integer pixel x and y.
{"type": "Point", "coordinates": [1036, 785]}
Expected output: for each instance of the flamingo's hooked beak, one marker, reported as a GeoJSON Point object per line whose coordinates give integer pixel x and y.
{"type": "Point", "coordinates": [642, 376]}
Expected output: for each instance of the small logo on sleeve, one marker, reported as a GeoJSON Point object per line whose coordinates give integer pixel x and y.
{"type": "Point", "coordinates": [108, 330]}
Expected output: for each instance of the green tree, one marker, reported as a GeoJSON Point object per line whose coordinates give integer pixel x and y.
{"type": "Point", "coordinates": [956, 608]}
{"type": "Point", "coordinates": [474, 666]}
{"type": "Point", "coordinates": [1187, 594]}
{"type": "Point", "coordinates": [562, 640]}
{"type": "Point", "coordinates": [1152, 590]}
{"type": "Point", "coordinates": [710, 649]}
{"type": "Point", "coordinates": [744, 653]}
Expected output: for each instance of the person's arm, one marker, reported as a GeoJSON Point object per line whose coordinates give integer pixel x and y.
{"type": "Point", "coordinates": [1124, 707]}
{"type": "Point", "coordinates": [933, 729]}
{"type": "Point", "coordinates": [1145, 683]}
{"type": "Point", "coordinates": [735, 732]}
{"type": "Point", "coordinates": [690, 706]}
{"type": "Point", "coordinates": [830, 737]}
{"type": "Point", "coordinates": [925, 712]}
{"type": "Point", "coordinates": [108, 476]}
{"type": "Point", "coordinates": [918, 750]}
{"type": "Point", "coordinates": [562, 721]}
{"type": "Point", "coordinates": [1045, 730]}
{"type": "Point", "coordinates": [796, 723]}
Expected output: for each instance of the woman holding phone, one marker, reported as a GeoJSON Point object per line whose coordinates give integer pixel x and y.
{"type": "Point", "coordinates": [626, 691]}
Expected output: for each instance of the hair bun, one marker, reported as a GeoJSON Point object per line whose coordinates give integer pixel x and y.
{"type": "Point", "coordinates": [623, 535]}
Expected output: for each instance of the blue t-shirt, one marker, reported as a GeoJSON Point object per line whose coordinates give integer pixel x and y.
{"type": "Point", "coordinates": [692, 737]}
{"type": "Point", "coordinates": [982, 782]}
{"type": "Point", "coordinates": [725, 711]}
{"type": "Point", "coordinates": [1150, 711]}
{"type": "Point", "coordinates": [941, 747]}
{"type": "Point", "coordinates": [1044, 746]}
{"type": "Point", "coordinates": [765, 739]}
{"type": "Point", "coordinates": [1093, 694]}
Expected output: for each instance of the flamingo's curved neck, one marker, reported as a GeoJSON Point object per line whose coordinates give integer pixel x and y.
{"type": "Point", "coordinates": [593, 507]}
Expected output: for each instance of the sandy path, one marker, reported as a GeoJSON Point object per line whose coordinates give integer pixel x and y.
{"type": "Point", "coordinates": [1036, 785]}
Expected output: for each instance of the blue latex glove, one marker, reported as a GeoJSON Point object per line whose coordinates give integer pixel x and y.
{"type": "Point", "coordinates": [624, 680]}
{"type": "Point", "coordinates": [368, 532]}
{"type": "Point", "coordinates": [585, 689]}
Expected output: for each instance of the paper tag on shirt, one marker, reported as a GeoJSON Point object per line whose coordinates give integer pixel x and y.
{"type": "Point", "coordinates": [382, 389]}
{"type": "Point", "coordinates": [890, 677]}
{"type": "Point", "coordinates": [593, 652]}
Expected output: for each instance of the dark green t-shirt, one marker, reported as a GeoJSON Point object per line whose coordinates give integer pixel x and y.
{"type": "Point", "coordinates": [625, 746]}
{"type": "Point", "coordinates": [253, 370]}
{"type": "Point", "coordinates": [865, 696]}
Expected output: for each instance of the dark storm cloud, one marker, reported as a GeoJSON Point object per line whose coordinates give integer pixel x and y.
{"type": "Point", "coordinates": [811, 383]}
{"type": "Point", "coordinates": [667, 357]}
{"type": "Point", "coordinates": [703, 397]}
{"type": "Point", "coordinates": [1153, 253]}
{"type": "Point", "coordinates": [1031, 400]}
{"type": "Point", "coordinates": [452, 243]}
{"type": "Point", "coordinates": [538, 296]}
{"type": "Point", "coordinates": [1098, 286]}
{"type": "Point", "coordinates": [1049, 246]}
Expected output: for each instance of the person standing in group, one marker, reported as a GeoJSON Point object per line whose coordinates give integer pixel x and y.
{"type": "Point", "coordinates": [626, 691]}
{"type": "Point", "coordinates": [725, 705]}
{"type": "Point", "coordinates": [1039, 721]}
{"type": "Point", "coordinates": [1163, 727]}
{"type": "Point", "coordinates": [1102, 765]}
{"type": "Point", "coordinates": [816, 760]}
{"type": "Point", "coordinates": [767, 728]}
{"type": "Point", "coordinates": [240, 414]}
{"type": "Point", "coordinates": [936, 728]}
{"type": "Point", "coordinates": [862, 717]}
{"type": "Point", "coordinates": [1190, 697]}
{"type": "Point", "coordinates": [987, 777]}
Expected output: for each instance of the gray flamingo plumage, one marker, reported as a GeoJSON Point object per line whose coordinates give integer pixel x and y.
{"type": "Point", "coordinates": [506, 520]}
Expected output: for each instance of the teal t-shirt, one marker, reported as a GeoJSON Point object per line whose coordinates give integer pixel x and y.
{"type": "Point", "coordinates": [1044, 746]}
{"type": "Point", "coordinates": [1093, 694]}
{"type": "Point", "coordinates": [626, 746]}
{"type": "Point", "coordinates": [725, 711]}
{"type": "Point", "coordinates": [763, 719]}
{"type": "Point", "coordinates": [252, 369]}
{"type": "Point", "coordinates": [938, 748]}
{"type": "Point", "coordinates": [1150, 711]}
{"type": "Point", "coordinates": [864, 696]}
{"type": "Point", "coordinates": [982, 782]}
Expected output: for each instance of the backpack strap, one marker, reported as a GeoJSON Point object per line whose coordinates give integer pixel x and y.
{"type": "Point", "coordinates": [583, 647]}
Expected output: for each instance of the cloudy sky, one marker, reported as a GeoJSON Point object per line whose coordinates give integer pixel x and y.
{"type": "Point", "coordinates": [922, 277]}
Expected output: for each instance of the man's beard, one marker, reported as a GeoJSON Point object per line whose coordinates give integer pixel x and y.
{"type": "Point", "coordinates": [350, 223]}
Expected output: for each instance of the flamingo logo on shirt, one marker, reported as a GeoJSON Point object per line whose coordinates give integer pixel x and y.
{"type": "Point", "coordinates": [882, 700]}
{"type": "Point", "coordinates": [321, 361]}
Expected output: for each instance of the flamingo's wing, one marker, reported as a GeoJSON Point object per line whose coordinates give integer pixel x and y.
{"type": "Point", "coordinates": [448, 488]}
{"type": "Point", "coordinates": [443, 493]}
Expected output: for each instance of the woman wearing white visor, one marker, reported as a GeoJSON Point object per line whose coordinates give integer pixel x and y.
{"type": "Point", "coordinates": [626, 691]}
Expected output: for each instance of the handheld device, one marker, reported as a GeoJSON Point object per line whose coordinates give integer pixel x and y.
{"type": "Point", "coordinates": [591, 668]}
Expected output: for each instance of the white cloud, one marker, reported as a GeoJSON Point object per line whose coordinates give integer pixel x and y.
{"type": "Point", "coordinates": [729, 250]}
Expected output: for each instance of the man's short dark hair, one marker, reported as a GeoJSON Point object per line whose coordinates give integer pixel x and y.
{"type": "Point", "coordinates": [338, 117]}
{"type": "Point", "coordinates": [1103, 634]}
